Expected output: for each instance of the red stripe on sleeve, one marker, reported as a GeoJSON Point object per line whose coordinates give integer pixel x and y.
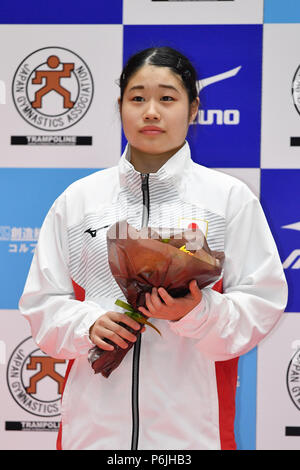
{"type": "Point", "coordinates": [226, 375]}
{"type": "Point", "coordinates": [79, 295]}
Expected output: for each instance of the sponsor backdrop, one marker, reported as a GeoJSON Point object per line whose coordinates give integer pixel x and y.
{"type": "Point", "coordinates": [59, 72]}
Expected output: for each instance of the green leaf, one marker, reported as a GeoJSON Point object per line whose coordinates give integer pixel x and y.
{"type": "Point", "coordinates": [137, 316]}
{"type": "Point", "coordinates": [122, 304]}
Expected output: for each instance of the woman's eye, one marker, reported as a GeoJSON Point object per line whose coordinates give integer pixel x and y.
{"type": "Point", "coordinates": [137, 98]}
{"type": "Point", "coordinates": [167, 98]}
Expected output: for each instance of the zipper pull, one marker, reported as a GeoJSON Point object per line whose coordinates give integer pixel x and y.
{"type": "Point", "coordinates": [146, 199]}
{"type": "Point", "coordinates": [145, 177]}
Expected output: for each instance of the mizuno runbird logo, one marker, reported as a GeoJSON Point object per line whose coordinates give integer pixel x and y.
{"type": "Point", "coordinates": [217, 78]}
{"type": "Point", "coordinates": [293, 260]}
{"type": "Point", "coordinates": [93, 233]}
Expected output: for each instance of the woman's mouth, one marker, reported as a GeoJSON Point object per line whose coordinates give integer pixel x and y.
{"type": "Point", "coordinates": [151, 130]}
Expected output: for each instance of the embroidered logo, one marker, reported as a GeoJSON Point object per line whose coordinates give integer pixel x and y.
{"type": "Point", "coordinates": [93, 233]}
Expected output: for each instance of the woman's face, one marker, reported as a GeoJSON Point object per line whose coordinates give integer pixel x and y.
{"type": "Point", "coordinates": [155, 111]}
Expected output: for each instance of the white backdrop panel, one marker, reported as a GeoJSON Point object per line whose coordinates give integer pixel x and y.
{"type": "Point", "coordinates": [99, 48]}
{"type": "Point", "coordinates": [280, 118]}
{"type": "Point", "coordinates": [33, 413]}
{"type": "Point", "coordinates": [149, 12]}
{"type": "Point", "coordinates": [276, 409]}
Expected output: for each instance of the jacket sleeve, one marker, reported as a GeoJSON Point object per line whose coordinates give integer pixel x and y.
{"type": "Point", "coordinates": [59, 323]}
{"type": "Point", "coordinates": [255, 290]}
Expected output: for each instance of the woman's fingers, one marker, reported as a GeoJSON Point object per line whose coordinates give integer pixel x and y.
{"type": "Point", "coordinates": [195, 291]}
{"type": "Point", "coordinates": [144, 311]}
{"type": "Point", "coordinates": [122, 317]}
{"type": "Point", "coordinates": [158, 300]}
{"type": "Point", "coordinates": [117, 338]}
{"type": "Point", "coordinates": [160, 304]}
{"type": "Point", "coordinates": [123, 332]}
{"type": "Point", "coordinates": [108, 327]}
{"type": "Point", "coordinates": [149, 303]}
{"type": "Point", "coordinates": [103, 345]}
{"type": "Point", "coordinates": [167, 298]}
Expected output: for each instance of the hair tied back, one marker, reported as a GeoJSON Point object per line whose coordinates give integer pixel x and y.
{"type": "Point", "coordinates": [162, 57]}
{"type": "Point", "coordinates": [186, 74]}
{"type": "Point", "coordinates": [179, 64]}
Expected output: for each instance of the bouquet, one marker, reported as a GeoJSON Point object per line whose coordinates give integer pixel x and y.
{"type": "Point", "coordinates": [153, 257]}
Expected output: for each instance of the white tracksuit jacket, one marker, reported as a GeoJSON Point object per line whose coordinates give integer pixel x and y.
{"type": "Point", "coordinates": [186, 378]}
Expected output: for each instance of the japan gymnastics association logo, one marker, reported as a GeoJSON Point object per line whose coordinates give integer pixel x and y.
{"type": "Point", "coordinates": [296, 90]}
{"type": "Point", "coordinates": [52, 88]}
{"type": "Point", "coordinates": [35, 380]}
{"type": "Point", "coordinates": [293, 379]}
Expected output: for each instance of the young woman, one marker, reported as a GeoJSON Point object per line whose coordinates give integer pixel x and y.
{"type": "Point", "coordinates": [176, 391]}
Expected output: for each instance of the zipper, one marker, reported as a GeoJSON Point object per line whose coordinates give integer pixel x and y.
{"type": "Point", "coordinates": [137, 344]}
{"type": "Point", "coordinates": [146, 199]}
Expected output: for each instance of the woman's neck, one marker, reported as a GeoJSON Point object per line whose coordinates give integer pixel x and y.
{"type": "Point", "coordinates": [148, 163]}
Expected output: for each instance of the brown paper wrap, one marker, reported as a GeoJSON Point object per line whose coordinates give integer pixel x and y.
{"type": "Point", "coordinates": [154, 257]}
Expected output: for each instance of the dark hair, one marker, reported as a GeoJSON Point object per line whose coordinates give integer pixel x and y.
{"type": "Point", "coordinates": [162, 57]}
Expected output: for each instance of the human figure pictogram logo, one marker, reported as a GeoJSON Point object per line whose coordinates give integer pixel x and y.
{"type": "Point", "coordinates": [52, 89]}
{"type": "Point", "coordinates": [53, 78]}
{"type": "Point", "coordinates": [47, 368]}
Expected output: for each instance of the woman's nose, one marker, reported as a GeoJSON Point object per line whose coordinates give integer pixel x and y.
{"type": "Point", "coordinates": [151, 112]}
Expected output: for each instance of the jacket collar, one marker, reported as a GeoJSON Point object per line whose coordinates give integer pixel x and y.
{"type": "Point", "coordinates": [171, 174]}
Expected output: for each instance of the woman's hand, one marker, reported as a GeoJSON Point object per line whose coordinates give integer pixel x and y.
{"type": "Point", "coordinates": [161, 305]}
{"type": "Point", "coordinates": [107, 326]}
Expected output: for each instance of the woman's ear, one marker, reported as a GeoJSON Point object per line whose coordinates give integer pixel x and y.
{"type": "Point", "coordinates": [194, 109]}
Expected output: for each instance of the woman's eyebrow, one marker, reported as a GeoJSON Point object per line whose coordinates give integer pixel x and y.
{"type": "Point", "coordinates": [161, 85]}
{"type": "Point", "coordinates": [170, 87]}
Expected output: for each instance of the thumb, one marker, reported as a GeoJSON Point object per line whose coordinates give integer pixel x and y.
{"type": "Point", "coordinates": [195, 291]}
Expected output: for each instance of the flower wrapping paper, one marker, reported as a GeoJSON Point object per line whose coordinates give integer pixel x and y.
{"type": "Point", "coordinates": [154, 257]}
